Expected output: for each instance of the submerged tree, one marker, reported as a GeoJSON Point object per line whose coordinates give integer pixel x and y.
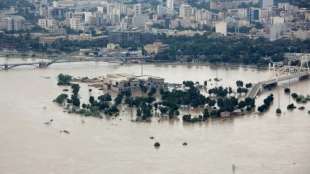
{"type": "Point", "coordinates": [64, 80]}
{"type": "Point", "coordinates": [60, 99]}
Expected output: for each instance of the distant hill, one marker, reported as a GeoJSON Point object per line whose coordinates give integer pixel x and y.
{"type": "Point", "coordinates": [5, 4]}
{"type": "Point", "coordinates": [299, 3]}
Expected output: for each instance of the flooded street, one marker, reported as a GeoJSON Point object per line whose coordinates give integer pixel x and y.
{"type": "Point", "coordinates": [255, 144]}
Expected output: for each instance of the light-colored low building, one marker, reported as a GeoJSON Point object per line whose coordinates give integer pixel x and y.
{"type": "Point", "coordinates": [124, 82]}
{"type": "Point", "coordinates": [151, 81]}
{"type": "Point", "coordinates": [112, 46]}
{"type": "Point", "coordinates": [221, 27]}
{"type": "Point", "coordinates": [225, 114]}
{"type": "Point", "coordinates": [155, 48]}
{"type": "Point", "coordinates": [49, 39]}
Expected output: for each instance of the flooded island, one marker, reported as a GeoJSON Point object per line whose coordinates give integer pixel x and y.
{"type": "Point", "coordinates": [148, 96]}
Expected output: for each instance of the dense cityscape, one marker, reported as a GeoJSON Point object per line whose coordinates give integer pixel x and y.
{"type": "Point", "coordinates": [161, 31]}
{"type": "Point", "coordinates": [154, 86]}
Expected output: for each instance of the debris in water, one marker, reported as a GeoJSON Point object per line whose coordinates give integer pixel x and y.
{"type": "Point", "coordinates": [157, 145]}
{"type": "Point", "coordinates": [46, 77]}
{"type": "Point", "coordinates": [233, 168]}
{"type": "Point", "coordinates": [65, 131]}
{"type": "Point", "coordinates": [49, 122]}
{"type": "Point", "coordinates": [301, 108]}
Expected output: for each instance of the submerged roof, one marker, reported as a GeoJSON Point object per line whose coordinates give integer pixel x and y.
{"type": "Point", "coordinates": [129, 77]}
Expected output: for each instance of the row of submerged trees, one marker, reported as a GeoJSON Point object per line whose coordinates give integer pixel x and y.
{"type": "Point", "coordinates": [267, 103]}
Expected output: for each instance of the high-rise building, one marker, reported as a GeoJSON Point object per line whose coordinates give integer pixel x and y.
{"type": "Point", "coordinates": [186, 11]}
{"type": "Point", "coordinates": [170, 5]}
{"type": "Point", "coordinates": [12, 23]}
{"type": "Point", "coordinates": [160, 10]}
{"type": "Point", "coordinates": [203, 16]}
{"type": "Point", "coordinates": [254, 14]}
{"type": "Point", "coordinates": [76, 24]}
{"type": "Point", "coordinates": [88, 17]}
{"type": "Point", "coordinates": [138, 9]}
{"type": "Point", "coordinates": [110, 8]}
{"type": "Point", "coordinates": [115, 17]}
{"type": "Point", "coordinates": [47, 23]}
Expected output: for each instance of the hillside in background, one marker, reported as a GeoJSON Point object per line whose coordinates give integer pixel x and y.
{"type": "Point", "coordinates": [4, 4]}
{"type": "Point", "coordinates": [299, 3]}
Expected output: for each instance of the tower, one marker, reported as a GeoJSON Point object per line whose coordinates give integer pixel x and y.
{"type": "Point", "coordinates": [170, 6]}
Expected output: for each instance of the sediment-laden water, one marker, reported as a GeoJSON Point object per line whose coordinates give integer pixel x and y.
{"type": "Point", "coordinates": [256, 144]}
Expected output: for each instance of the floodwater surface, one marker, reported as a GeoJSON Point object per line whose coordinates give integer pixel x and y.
{"type": "Point", "coordinates": [254, 144]}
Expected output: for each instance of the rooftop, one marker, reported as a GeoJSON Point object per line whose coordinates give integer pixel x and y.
{"type": "Point", "coordinates": [128, 77]}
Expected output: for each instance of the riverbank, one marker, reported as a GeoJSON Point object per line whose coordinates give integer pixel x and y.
{"type": "Point", "coordinates": [34, 55]}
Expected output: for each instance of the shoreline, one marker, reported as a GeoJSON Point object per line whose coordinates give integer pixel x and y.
{"type": "Point", "coordinates": [215, 65]}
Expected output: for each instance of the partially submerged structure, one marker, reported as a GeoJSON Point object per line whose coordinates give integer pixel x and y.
{"type": "Point", "coordinates": [124, 82]}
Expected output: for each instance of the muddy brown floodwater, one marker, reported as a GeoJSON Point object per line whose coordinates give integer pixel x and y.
{"type": "Point", "coordinates": [254, 144]}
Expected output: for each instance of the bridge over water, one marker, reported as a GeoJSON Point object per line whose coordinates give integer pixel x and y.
{"type": "Point", "coordinates": [45, 64]}
{"type": "Point", "coordinates": [41, 64]}
{"type": "Point", "coordinates": [260, 86]}
{"type": "Point", "coordinates": [289, 72]}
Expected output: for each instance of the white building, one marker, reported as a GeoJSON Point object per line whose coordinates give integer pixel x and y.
{"type": "Point", "coordinates": [137, 9]}
{"type": "Point", "coordinates": [277, 29]}
{"type": "Point", "coordinates": [186, 11]}
{"type": "Point", "coordinates": [88, 17]}
{"type": "Point", "coordinates": [277, 20]}
{"type": "Point", "coordinates": [55, 4]}
{"type": "Point", "coordinates": [47, 23]}
{"type": "Point", "coordinates": [238, 13]}
{"type": "Point", "coordinates": [3, 22]}
{"type": "Point", "coordinates": [115, 16]}
{"type": "Point", "coordinates": [203, 16]}
{"type": "Point", "coordinates": [76, 24]}
{"type": "Point", "coordinates": [161, 10]}
{"type": "Point", "coordinates": [124, 24]}
{"type": "Point", "coordinates": [170, 6]}
{"type": "Point", "coordinates": [110, 8]}
{"type": "Point", "coordinates": [221, 27]}
{"type": "Point", "coordinates": [100, 9]}
{"type": "Point", "coordinates": [125, 82]}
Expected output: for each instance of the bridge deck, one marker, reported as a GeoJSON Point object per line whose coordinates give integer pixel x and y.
{"type": "Point", "coordinates": [257, 87]}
